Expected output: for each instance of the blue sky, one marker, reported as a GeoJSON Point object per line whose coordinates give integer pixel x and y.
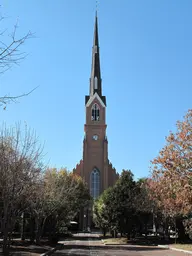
{"type": "Point", "coordinates": [146, 63]}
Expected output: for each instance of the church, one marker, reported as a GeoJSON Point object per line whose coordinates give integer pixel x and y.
{"type": "Point", "coordinates": [95, 167]}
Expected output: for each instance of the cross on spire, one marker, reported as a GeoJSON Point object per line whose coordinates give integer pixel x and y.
{"type": "Point", "coordinates": [96, 6]}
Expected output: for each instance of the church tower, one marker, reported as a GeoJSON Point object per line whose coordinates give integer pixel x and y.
{"type": "Point", "coordinates": [95, 167]}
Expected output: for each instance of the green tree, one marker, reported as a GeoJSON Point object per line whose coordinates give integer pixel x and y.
{"type": "Point", "coordinates": [125, 190]}
{"type": "Point", "coordinates": [102, 216]}
{"type": "Point", "coordinates": [146, 208]}
{"type": "Point", "coordinates": [62, 196]}
{"type": "Point", "coordinates": [116, 206]}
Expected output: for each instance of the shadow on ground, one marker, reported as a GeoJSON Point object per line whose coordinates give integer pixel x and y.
{"type": "Point", "coordinates": [80, 238]}
{"type": "Point", "coordinates": [136, 241]}
{"type": "Point", "coordinates": [27, 248]}
{"type": "Point", "coordinates": [112, 247]}
{"type": "Point", "coordinates": [153, 241]}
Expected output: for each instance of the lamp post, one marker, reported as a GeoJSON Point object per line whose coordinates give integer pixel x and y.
{"type": "Point", "coordinates": [23, 226]}
{"type": "Point", "coordinates": [84, 221]}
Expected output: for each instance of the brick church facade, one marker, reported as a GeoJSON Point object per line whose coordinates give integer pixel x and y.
{"type": "Point", "coordinates": [95, 167]}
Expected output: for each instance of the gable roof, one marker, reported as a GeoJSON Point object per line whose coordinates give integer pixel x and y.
{"type": "Point", "coordinates": [92, 98]}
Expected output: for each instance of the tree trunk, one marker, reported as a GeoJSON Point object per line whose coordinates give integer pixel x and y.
{"type": "Point", "coordinates": [52, 229]}
{"type": "Point", "coordinates": [5, 230]}
{"type": "Point", "coordinates": [40, 223]}
{"type": "Point", "coordinates": [5, 240]}
{"type": "Point", "coordinates": [104, 232]}
{"type": "Point", "coordinates": [145, 230]}
{"type": "Point", "coordinates": [166, 233]}
{"type": "Point", "coordinates": [37, 230]}
{"type": "Point", "coordinates": [175, 226]}
{"type": "Point", "coordinates": [32, 229]}
{"type": "Point", "coordinates": [181, 229]}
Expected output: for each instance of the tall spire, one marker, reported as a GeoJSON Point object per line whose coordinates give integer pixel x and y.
{"type": "Point", "coordinates": [95, 80]}
{"type": "Point", "coordinates": [96, 36]}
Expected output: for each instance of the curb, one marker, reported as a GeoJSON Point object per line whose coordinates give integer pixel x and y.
{"type": "Point", "coordinates": [114, 245]}
{"type": "Point", "coordinates": [111, 243]}
{"type": "Point", "coordinates": [174, 249]}
{"type": "Point", "coordinates": [180, 250]}
{"type": "Point", "coordinates": [163, 246]}
{"type": "Point", "coordinates": [50, 252]}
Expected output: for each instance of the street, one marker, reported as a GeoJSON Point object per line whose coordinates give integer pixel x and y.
{"type": "Point", "coordinates": [90, 245]}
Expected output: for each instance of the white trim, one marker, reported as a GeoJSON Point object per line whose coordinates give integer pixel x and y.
{"type": "Point", "coordinates": [95, 83]}
{"type": "Point", "coordinates": [91, 99]}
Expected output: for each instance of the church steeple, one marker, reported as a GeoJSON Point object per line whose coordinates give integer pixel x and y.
{"type": "Point", "coordinates": [95, 167]}
{"type": "Point", "coordinates": [95, 80]}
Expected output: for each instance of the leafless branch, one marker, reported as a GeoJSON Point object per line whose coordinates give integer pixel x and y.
{"type": "Point", "coordinates": [13, 99]}
{"type": "Point", "coordinates": [11, 54]}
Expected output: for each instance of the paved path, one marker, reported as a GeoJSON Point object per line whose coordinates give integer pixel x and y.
{"type": "Point", "coordinates": [91, 245]}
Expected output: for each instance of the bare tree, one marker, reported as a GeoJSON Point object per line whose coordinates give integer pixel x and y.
{"type": "Point", "coordinates": [11, 54]}
{"type": "Point", "coordinates": [20, 167]}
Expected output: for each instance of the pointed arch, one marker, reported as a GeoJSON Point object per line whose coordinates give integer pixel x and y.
{"type": "Point", "coordinates": [95, 183]}
{"type": "Point", "coordinates": [95, 112]}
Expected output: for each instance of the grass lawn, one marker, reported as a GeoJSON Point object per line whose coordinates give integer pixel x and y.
{"type": "Point", "coordinates": [187, 247]}
{"type": "Point", "coordinates": [119, 240]}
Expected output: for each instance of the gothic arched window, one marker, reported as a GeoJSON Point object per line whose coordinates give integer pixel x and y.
{"type": "Point", "coordinates": [95, 113]}
{"type": "Point", "coordinates": [95, 183]}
